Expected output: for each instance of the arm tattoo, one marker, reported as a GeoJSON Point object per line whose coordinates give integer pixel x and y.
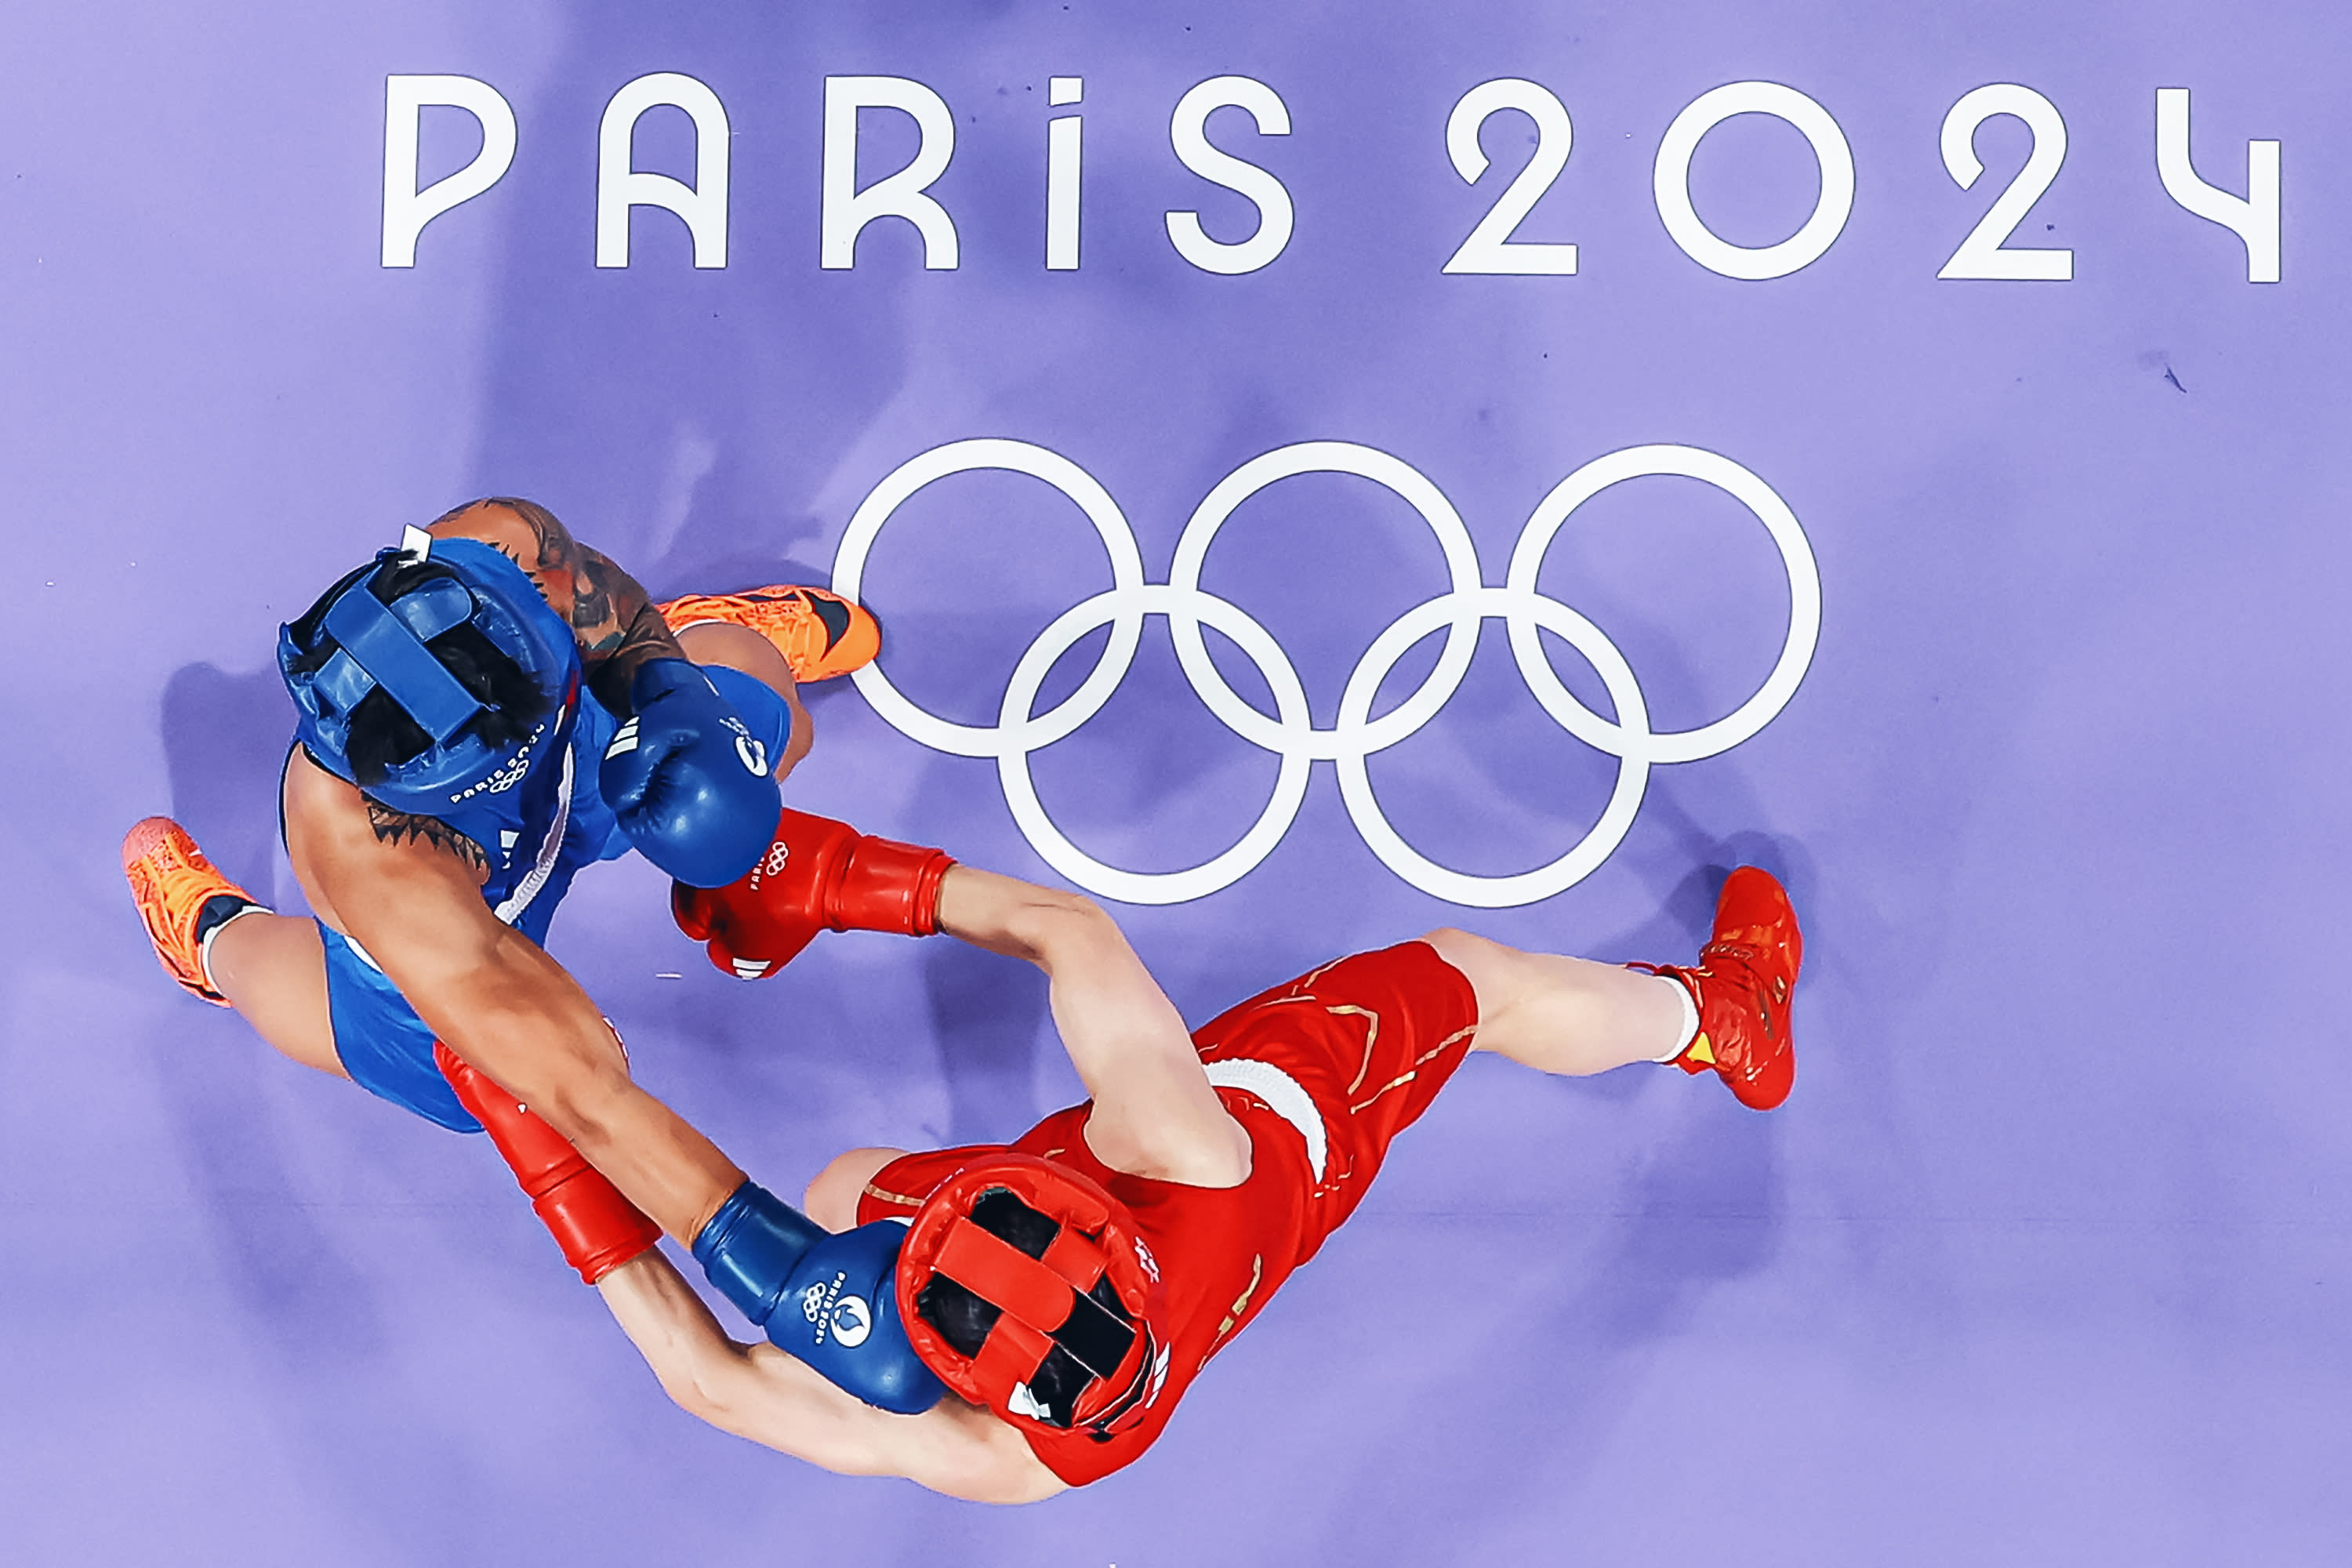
{"type": "Point", "coordinates": [618, 627]}
{"type": "Point", "coordinates": [400, 826]}
{"type": "Point", "coordinates": [613, 618]}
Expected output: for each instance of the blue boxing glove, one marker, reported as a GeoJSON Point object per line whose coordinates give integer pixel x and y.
{"type": "Point", "coordinates": [692, 786]}
{"type": "Point", "coordinates": [829, 1299]}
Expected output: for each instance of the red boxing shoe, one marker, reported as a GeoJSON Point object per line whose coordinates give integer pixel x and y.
{"type": "Point", "coordinates": [1742, 982]}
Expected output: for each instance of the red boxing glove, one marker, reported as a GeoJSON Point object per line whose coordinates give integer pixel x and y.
{"type": "Point", "coordinates": [818, 875]}
{"type": "Point", "coordinates": [597, 1228]}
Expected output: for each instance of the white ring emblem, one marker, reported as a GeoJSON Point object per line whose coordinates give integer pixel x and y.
{"type": "Point", "coordinates": [1291, 734]}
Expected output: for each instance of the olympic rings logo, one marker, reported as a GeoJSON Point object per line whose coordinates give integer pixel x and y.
{"type": "Point", "coordinates": [1291, 734]}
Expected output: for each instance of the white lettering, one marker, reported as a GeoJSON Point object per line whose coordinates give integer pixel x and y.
{"type": "Point", "coordinates": [1188, 133]}
{"type": "Point", "coordinates": [846, 209]}
{"type": "Point", "coordinates": [1982, 255]}
{"type": "Point", "coordinates": [2254, 218]}
{"type": "Point", "coordinates": [1670, 180]}
{"type": "Point", "coordinates": [1063, 159]}
{"type": "Point", "coordinates": [620, 187]}
{"type": "Point", "coordinates": [1489, 247]}
{"type": "Point", "coordinates": [406, 209]}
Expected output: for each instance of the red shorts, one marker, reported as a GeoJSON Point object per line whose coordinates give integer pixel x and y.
{"type": "Point", "coordinates": [1357, 1049]}
{"type": "Point", "coordinates": [1371, 1039]}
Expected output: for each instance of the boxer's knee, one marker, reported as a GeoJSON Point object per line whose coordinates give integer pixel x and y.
{"type": "Point", "coordinates": [736, 648]}
{"type": "Point", "coordinates": [1498, 975]}
{"type": "Point", "coordinates": [832, 1198]}
{"type": "Point", "coordinates": [1483, 960]}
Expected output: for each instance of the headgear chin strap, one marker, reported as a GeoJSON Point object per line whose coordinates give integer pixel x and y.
{"type": "Point", "coordinates": [381, 646]}
{"type": "Point", "coordinates": [1045, 1304]}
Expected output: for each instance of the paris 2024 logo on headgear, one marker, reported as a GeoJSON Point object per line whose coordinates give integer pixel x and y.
{"type": "Point", "coordinates": [1291, 735]}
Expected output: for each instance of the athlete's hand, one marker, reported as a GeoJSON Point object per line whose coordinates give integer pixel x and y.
{"type": "Point", "coordinates": [816, 875]}
{"type": "Point", "coordinates": [829, 1299]}
{"type": "Point", "coordinates": [693, 788]}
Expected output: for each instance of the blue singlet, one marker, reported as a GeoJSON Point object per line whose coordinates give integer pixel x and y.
{"type": "Point", "coordinates": [538, 831]}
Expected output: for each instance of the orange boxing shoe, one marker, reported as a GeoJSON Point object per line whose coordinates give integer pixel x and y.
{"type": "Point", "coordinates": [820, 633]}
{"type": "Point", "coordinates": [1742, 983]}
{"type": "Point", "coordinates": [176, 890]}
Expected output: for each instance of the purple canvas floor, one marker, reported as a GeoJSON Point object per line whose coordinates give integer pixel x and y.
{"type": "Point", "coordinates": [2046, 1261]}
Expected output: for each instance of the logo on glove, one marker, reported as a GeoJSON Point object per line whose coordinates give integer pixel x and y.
{"type": "Point", "coordinates": [847, 1319]}
{"type": "Point", "coordinates": [751, 752]}
{"type": "Point", "coordinates": [851, 1322]}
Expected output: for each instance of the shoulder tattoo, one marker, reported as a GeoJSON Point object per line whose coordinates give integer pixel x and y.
{"type": "Point", "coordinates": [392, 827]}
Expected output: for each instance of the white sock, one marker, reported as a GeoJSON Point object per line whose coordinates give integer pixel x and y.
{"type": "Point", "coordinates": [1687, 1030]}
{"type": "Point", "coordinates": [205, 947]}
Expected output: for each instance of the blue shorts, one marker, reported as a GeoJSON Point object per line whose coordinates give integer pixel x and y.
{"type": "Point", "coordinates": [383, 1043]}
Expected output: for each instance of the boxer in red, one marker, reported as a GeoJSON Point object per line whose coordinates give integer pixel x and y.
{"type": "Point", "coordinates": [1065, 1288]}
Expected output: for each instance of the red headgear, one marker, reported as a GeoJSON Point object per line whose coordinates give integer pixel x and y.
{"type": "Point", "coordinates": [1043, 1303]}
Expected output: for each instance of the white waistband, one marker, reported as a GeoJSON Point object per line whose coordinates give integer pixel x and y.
{"type": "Point", "coordinates": [1282, 1096]}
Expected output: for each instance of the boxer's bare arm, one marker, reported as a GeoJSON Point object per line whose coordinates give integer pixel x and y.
{"type": "Point", "coordinates": [1154, 1112]}
{"type": "Point", "coordinates": [612, 617]}
{"type": "Point", "coordinates": [408, 890]}
{"type": "Point", "coordinates": [760, 1393]}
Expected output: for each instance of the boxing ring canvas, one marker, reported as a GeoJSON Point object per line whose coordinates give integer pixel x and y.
{"type": "Point", "coordinates": [1924, 477]}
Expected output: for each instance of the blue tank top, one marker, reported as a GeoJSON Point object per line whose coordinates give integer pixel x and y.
{"type": "Point", "coordinates": [538, 818]}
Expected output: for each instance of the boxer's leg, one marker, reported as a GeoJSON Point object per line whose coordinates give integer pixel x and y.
{"type": "Point", "coordinates": [1728, 1012]}
{"type": "Point", "coordinates": [740, 647]}
{"type": "Point", "coordinates": [832, 1198]}
{"type": "Point", "coordinates": [273, 970]}
{"type": "Point", "coordinates": [217, 943]}
{"type": "Point", "coordinates": [1561, 1015]}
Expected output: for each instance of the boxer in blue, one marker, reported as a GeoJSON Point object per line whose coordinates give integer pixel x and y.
{"type": "Point", "coordinates": [481, 712]}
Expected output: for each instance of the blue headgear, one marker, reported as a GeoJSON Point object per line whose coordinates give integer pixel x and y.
{"type": "Point", "coordinates": [381, 646]}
